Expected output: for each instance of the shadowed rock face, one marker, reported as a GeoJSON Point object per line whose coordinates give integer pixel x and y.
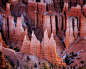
{"type": "Point", "coordinates": [1, 22]}
{"type": "Point", "coordinates": [4, 2]}
{"type": "Point", "coordinates": [44, 30]}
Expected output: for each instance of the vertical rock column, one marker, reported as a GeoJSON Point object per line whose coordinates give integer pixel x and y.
{"type": "Point", "coordinates": [65, 14]}
{"type": "Point", "coordinates": [67, 36]}
{"type": "Point", "coordinates": [42, 50]}
{"type": "Point", "coordinates": [83, 26]}
{"type": "Point", "coordinates": [84, 9]}
{"type": "Point", "coordinates": [64, 21]}
{"type": "Point", "coordinates": [32, 6]}
{"type": "Point", "coordinates": [54, 58]}
{"type": "Point", "coordinates": [69, 39]}
{"type": "Point", "coordinates": [38, 53]}
{"type": "Point", "coordinates": [4, 27]}
{"type": "Point", "coordinates": [53, 23]}
{"type": "Point", "coordinates": [71, 36]}
{"type": "Point", "coordinates": [19, 30]}
{"type": "Point", "coordinates": [46, 24]}
{"type": "Point", "coordinates": [45, 43]}
{"type": "Point", "coordinates": [75, 28]}
{"type": "Point", "coordinates": [59, 23]}
{"type": "Point", "coordinates": [7, 13]}
{"type": "Point", "coordinates": [40, 22]}
{"type": "Point", "coordinates": [11, 28]}
{"type": "Point", "coordinates": [41, 7]}
{"type": "Point", "coordinates": [36, 20]}
{"type": "Point", "coordinates": [34, 45]}
{"type": "Point", "coordinates": [25, 46]}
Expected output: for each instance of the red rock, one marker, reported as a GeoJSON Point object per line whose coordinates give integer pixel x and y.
{"type": "Point", "coordinates": [22, 19]}
{"type": "Point", "coordinates": [65, 14]}
{"type": "Point", "coordinates": [20, 30]}
{"type": "Point", "coordinates": [5, 28]}
{"type": "Point", "coordinates": [52, 43]}
{"type": "Point", "coordinates": [42, 50]}
{"type": "Point", "coordinates": [3, 43]}
{"type": "Point", "coordinates": [25, 46]}
{"type": "Point", "coordinates": [46, 24]}
{"type": "Point", "coordinates": [41, 1]}
{"type": "Point", "coordinates": [84, 9]}
{"type": "Point", "coordinates": [2, 59]}
{"type": "Point", "coordinates": [69, 38]}
{"type": "Point", "coordinates": [45, 45]}
{"type": "Point", "coordinates": [11, 28]}
{"type": "Point", "coordinates": [64, 22]}
{"type": "Point", "coordinates": [33, 45]}
{"type": "Point", "coordinates": [80, 2]}
{"type": "Point", "coordinates": [59, 21]}
{"type": "Point", "coordinates": [53, 23]}
{"type": "Point", "coordinates": [50, 7]}
{"type": "Point", "coordinates": [75, 28]}
{"type": "Point", "coordinates": [7, 13]}
{"type": "Point", "coordinates": [26, 34]}
{"type": "Point", "coordinates": [41, 7]}
{"type": "Point", "coordinates": [65, 8]}
{"type": "Point", "coordinates": [38, 53]}
{"type": "Point", "coordinates": [82, 27]}
{"type": "Point", "coordinates": [36, 18]}
{"type": "Point", "coordinates": [32, 6]}
{"type": "Point", "coordinates": [40, 22]}
{"type": "Point", "coordinates": [13, 2]}
{"type": "Point", "coordinates": [75, 11]}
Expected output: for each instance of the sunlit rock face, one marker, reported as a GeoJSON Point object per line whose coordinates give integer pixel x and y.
{"type": "Point", "coordinates": [19, 31]}
{"type": "Point", "coordinates": [82, 26]}
{"type": "Point", "coordinates": [76, 10]}
{"type": "Point", "coordinates": [69, 33]}
{"type": "Point", "coordinates": [53, 23]}
{"type": "Point", "coordinates": [46, 24]}
{"type": "Point", "coordinates": [25, 45]}
{"type": "Point", "coordinates": [39, 31]}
